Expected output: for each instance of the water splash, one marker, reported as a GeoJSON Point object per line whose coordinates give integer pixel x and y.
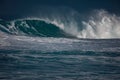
{"type": "Point", "coordinates": [101, 25]}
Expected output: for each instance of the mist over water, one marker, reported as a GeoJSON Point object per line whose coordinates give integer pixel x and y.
{"type": "Point", "coordinates": [101, 24]}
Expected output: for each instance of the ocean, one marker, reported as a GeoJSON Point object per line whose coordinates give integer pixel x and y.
{"type": "Point", "coordinates": [57, 49]}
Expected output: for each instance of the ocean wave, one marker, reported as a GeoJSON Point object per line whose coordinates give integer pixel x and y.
{"type": "Point", "coordinates": [32, 27]}
{"type": "Point", "coordinates": [99, 25]}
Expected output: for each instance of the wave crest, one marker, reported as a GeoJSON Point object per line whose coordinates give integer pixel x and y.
{"type": "Point", "coordinates": [32, 27]}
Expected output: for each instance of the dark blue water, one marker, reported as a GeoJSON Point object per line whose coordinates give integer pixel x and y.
{"type": "Point", "coordinates": [59, 59]}
{"type": "Point", "coordinates": [76, 65]}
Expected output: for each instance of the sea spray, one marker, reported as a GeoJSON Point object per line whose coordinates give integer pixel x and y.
{"type": "Point", "coordinates": [101, 25]}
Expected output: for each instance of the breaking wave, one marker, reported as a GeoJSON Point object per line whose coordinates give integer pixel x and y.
{"type": "Point", "coordinates": [99, 25]}
{"type": "Point", "coordinates": [32, 27]}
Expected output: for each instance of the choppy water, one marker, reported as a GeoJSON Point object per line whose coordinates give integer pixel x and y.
{"type": "Point", "coordinates": [37, 58]}
{"type": "Point", "coordinates": [33, 65]}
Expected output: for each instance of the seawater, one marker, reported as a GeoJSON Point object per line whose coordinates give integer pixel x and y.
{"type": "Point", "coordinates": [27, 58]}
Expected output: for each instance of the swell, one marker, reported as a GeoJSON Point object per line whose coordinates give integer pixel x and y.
{"type": "Point", "coordinates": [32, 27]}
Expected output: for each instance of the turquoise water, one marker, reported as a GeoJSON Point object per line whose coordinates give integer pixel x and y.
{"type": "Point", "coordinates": [36, 50]}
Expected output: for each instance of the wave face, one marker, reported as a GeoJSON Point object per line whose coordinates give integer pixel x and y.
{"type": "Point", "coordinates": [99, 25]}
{"type": "Point", "coordinates": [32, 27]}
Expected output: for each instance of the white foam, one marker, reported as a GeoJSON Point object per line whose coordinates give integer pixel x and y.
{"type": "Point", "coordinates": [101, 25]}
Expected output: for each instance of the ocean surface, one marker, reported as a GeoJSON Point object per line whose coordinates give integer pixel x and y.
{"type": "Point", "coordinates": [57, 49]}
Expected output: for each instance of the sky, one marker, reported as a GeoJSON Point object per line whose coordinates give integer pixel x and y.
{"type": "Point", "coordinates": [18, 8]}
